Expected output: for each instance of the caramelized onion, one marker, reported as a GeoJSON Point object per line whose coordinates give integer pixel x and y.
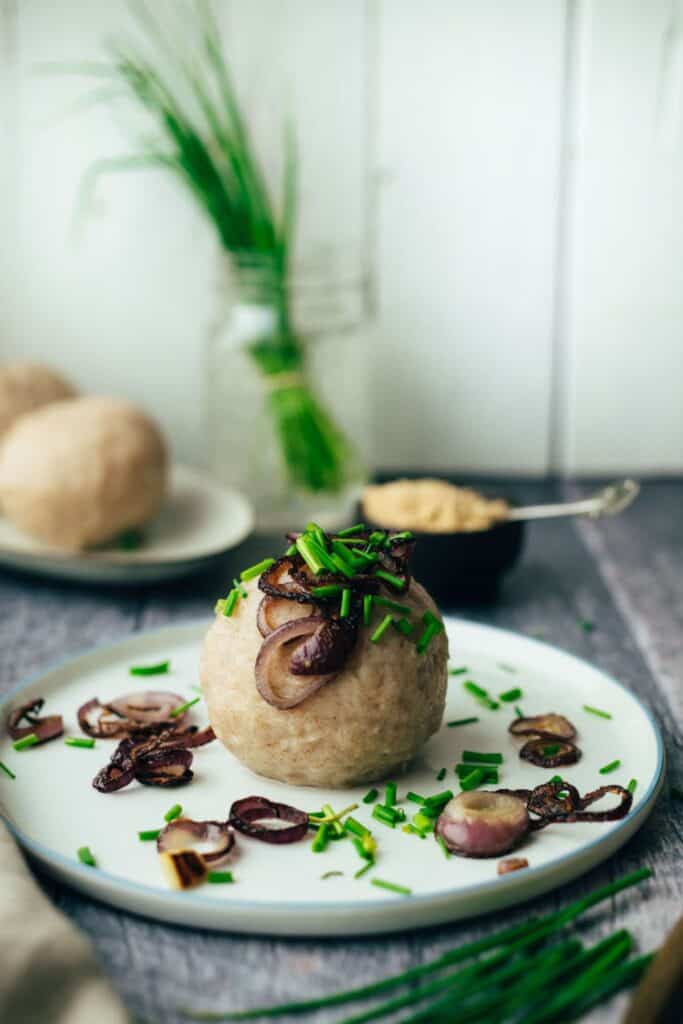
{"type": "Point", "coordinates": [169, 766]}
{"type": "Point", "coordinates": [212, 840]}
{"type": "Point", "coordinates": [544, 725]}
{"type": "Point", "coordinates": [274, 612]}
{"type": "Point", "coordinates": [274, 679]}
{"type": "Point", "coordinates": [47, 728]}
{"type": "Point", "coordinates": [509, 864]}
{"type": "Point", "coordinates": [119, 772]}
{"type": "Point", "coordinates": [162, 759]}
{"type": "Point", "coordinates": [279, 581]}
{"type": "Point", "coordinates": [327, 649]}
{"type": "Point", "coordinates": [565, 752]}
{"type": "Point", "coordinates": [559, 802]}
{"type": "Point", "coordinates": [250, 815]}
{"type": "Point", "coordinates": [146, 709]}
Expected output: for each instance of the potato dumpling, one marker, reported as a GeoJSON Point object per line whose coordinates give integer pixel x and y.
{"type": "Point", "coordinates": [367, 723]}
{"type": "Point", "coordinates": [25, 387]}
{"type": "Point", "coordinates": [78, 472]}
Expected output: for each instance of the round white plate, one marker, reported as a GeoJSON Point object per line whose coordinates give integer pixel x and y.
{"type": "Point", "coordinates": [53, 809]}
{"type": "Point", "coordinates": [200, 519]}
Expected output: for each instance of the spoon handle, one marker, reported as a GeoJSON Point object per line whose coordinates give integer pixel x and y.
{"type": "Point", "coordinates": [608, 501]}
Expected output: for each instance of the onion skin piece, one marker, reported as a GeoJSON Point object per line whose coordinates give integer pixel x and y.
{"type": "Point", "coordinates": [509, 864]}
{"type": "Point", "coordinates": [247, 814]}
{"type": "Point", "coordinates": [148, 710]}
{"type": "Point", "coordinates": [480, 823]}
{"type": "Point", "coordinates": [532, 751]}
{"type": "Point", "coordinates": [168, 767]}
{"type": "Point", "coordinates": [119, 772]}
{"type": "Point", "coordinates": [184, 834]}
{"type": "Point", "coordinates": [274, 612]}
{"type": "Point", "coordinates": [47, 728]}
{"type": "Point", "coordinates": [278, 581]}
{"type": "Point", "coordinates": [328, 648]}
{"type": "Point", "coordinates": [544, 725]}
{"type": "Point", "coordinates": [546, 807]}
{"type": "Point", "coordinates": [273, 666]}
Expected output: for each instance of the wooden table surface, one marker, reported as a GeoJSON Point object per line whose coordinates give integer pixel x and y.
{"type": "Point", "coordinates": [625, 575]}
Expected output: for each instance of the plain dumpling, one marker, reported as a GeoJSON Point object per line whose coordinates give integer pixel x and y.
{"type": "Point", "coordinates": [25, 387]}
{"type": "Point", "coordinates": [77, 473]}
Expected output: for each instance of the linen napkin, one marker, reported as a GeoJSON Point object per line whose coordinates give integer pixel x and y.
{"type": "Point", "coordinates": [48, 972]}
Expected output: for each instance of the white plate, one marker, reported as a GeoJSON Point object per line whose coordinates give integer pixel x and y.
{"type": "Point", "coordinates": [199, 520]}
{"type": "Point", "coordinates": [53, 809]}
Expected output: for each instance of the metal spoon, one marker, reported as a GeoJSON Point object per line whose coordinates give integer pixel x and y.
{"type": "Point", "coordinates": [607, 502]}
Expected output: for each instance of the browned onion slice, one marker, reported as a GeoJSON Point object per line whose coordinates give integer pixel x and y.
{"type": "Point", "coordinates": [46, 728]}
{"type": "Point", "coordinates": [99, 721]}
{"type": "Point", "coordinates": [147, 709]}
{"type": "Point", "coordinates": [479, 823]}
{"type": "Point", "coordinates": [279, 581]}
{"type": "Point", "coordinates": [169, 766]}
{"type": "Point", "coordinates": [327, 649]}
{"type": "Point", "coordinates": [274, 612]}
{"type": "Point", "coordinates": [555, 803]}
{"type": "Point", "coordinates": [544, 725]}
{"type": "Point", "coordinates": [162, 759]}
{"type": "Point", "coordinates": [119, 772]}
{"type": "Point", "coordinates": [251, 814]}
{"type": "Point", "coordinates": [212, 840]}
{"type": "Point", "coordinates": [613, 814]}
{"type": "Point", "coordinates": [509, 864]}
{"type": "Point", "coordinates": [194, 737]}
{"type": "Point", "coordinates": [274, 680]}
{"type": "Point", "coordinates": [565, 751]}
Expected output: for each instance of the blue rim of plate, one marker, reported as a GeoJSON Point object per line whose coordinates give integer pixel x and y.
{"type": "Point", "coordinates": [500, 883]}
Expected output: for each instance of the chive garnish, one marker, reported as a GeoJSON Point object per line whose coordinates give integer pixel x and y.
{"type": "Point", "coordinates": [351, 825]}
{"type": "Point", "coordinates": [381, 629]}
{"type": "Point", "coordinates": [475, 757]}
{"type": "Point", "coordinates": [396, 538]}
{"type": "Point", "coordinates": [345, 606]}
{"type": "Point", "coordinates": [551, 750]}
{"type": "Point", "coordinates": [519, 712]}
{"type": "Point", "coordinates": [220, 877]}
{"type": "Point", "coordinates": [433, 626]}
{"type": "Point", "coordinates": [330, 590]}
{"type": "Point", "coordinates": [404, 626]}
{"type": "Point", "coordinates": [474, 779]}
{"type": "Point", "coordinates": [509, 695]}
{"type": "Point", "coordinates": [385, 814]}
{"type": "Point", "coordinates": [389, 577]}
{"type": "Point", "coordinates": [481, 695]}
{"type": "Point", "coordinates": [183, 707]}
{"type": "Point", "coordinates": [632, 786]}
{"type": "Point", "coordinates": [490, 773]}
{"type": "Point", "coordinates": [7, 771]}
{"type": "Point", "coordinates": [367, 609]}
{"type": "Point", "coordinates": [230, 603]}
{"type": "Point", "coordinates": [461, 721]}
{"type": "Point", "coordinates": [415, 798]}
{"type": "Point", "coordinates": [556, 778]}
{"type": "Point", "coordinates": [173, 813]}
{"type": "Point", "coordinates": [85, 856]}
{"type": "Point", "coordinates": [402, 890]}
{"type": "Point", "coordinates": [79, 741]}
{"type": "Point", "coordinates": [311, 554]}
{"type": "Point", "coordinates": [349, 531]}
{"type": "Point", "coordinates": [390, 794]}
{"type": "Point", "coordinates": [376, 538]}
{"type": "Point", "coordinates": [439, 799]}
{"type": "Point", "coordinates": [412, 830]}
{"type": "Point", "coordinates": [386, 602]}
{"type": "Point", "coordinates": [423, 822]}
{"type": "Point", "coordinates": [611, 767]}
{"type": "Point", "coordinates": [441, 775]}
{"type": "Point", "coordinates": [26, 741]}
{"type": "Point", "coordinates": [366, 867]}
{"type": "Point", "coordinates": [458, 671]}
{"type": "Point", "coordinates": [160, 668]}
{"type": "Point", "coordinates": [370, 796]}
{"type": "Point", "coordinates": [446, 852]}
{"type": "Point", "coordinates": [149, 834]}
{"type": "Point", "coordinates": [255, 570]}
{"type": "Point", "coordinates": [291, 550]}
{"type": "Point", "coordinates": [596, 711]}
{"type": "Point", "coordinates": [320, 841]}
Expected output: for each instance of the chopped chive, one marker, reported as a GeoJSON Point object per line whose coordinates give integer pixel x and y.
{"type": "Point", "coordinates": [474, 779]}
{"type": "Point", "coordinates": [507, 668]}
{"type": "Point", "coordinates": [415, 798]}
{"type": "Point", "coordinates": [351, 825]}
{"type": "Point", "coordinates": [148, 835]}
{"type": "Point", "coordinates": [255, 570]}
{"type": "Point", "coordinates": [481, 695]}
{"type": "Point", "coordinates": [376, 538]}
{"type": "Point", "coordinates": [367, 609]}
{"type": "Point", "coordinates": [79, 741]}
{"type": "Point", "coordinates": [439, 799]}
{"type": "Point", "coordinates": [474, 757]}
{"type": "Point", "coordinates": [320, 841]}
{"type": "Point", "coordinates": [423, 822]}
{"type": "Point", "coordinates": [413, 830]}
{"type": "Point", "coordinates": [230, 602]}
{"type": "Point", "coordinates": [385, 602]}
{"type": "Point", "coordinates": [343, 552]}
{"type": "Point", "coordinates": [402, 890]}
{"type": "Point", "coordinates": [335, 827]}
{"type": "Point", "coordinates": [311, 554]}
{"type": "Point", "coordinates": [556, 778]}
{"type": "Point", "coordinates": [490, 773]}
{"type": "Point", "coordinates": [236, 584]}
{"type": "Point", "coordinates": [381, 629]}
{"type": "Point", "coordinates": [441, 775]}
{"type": "Point", "coordinates": [330, 590]}
{"type": "Point", "coordinates": [596, 711]}
{"type": "Point", "coordinates": [676, 793]}
{"type": "Point", "coordinates": [384, 815]}
{"type": "Point", "coordinates": [366, 846]}
{"type": "Point", "coordinates": [611, 767]}
{"type": "Point", "coordinates": [390, 794]}
{"type": "Point", "coordinates": [345, 606]}
{"type": "Point", "coordinates": [404, 626]}
{"type": "Point", "coordinates": [350, 530]}
{"type": "Point", "coordinates": [291, 550]}
{"type": "Point", "coordinates": [7, 771]}
{"type": "Point", "coordinates": [458, 671]}
{"type": "Point", "coordinates": [158, 669]}
{"type": "Point", "coordinates": [432, 627]}
{"type": "Point", "coordinates": [173, 812]}
{"type": "Point", "coordinates": [183, 707]}
{"type": "Point", "coordinates": [85, 856]}
{"type": "Point", "coordinates": [366, 867]}
{"type": "Point", "coordinates": [340, 566]}
{"type": "Point", "coordinates": [442, 844]}
{"type": "Point", "coordinates": [509, 695]}
{"type": "Point", "coordinates": [430, 619]}
{"type": "Point", "coordinates": [396, 538]}
{"type": "Point", "coordinates": [519, 712]}
{"type": "Point", "coordinates": [26, 741]}
{"type": "Point", "coordinates": [365, 556]}
{"type": "Point", "coordinates": [551, 750]}
{"type": "Point", "coordinates": [461, 721]}
{"type": "Point", "coordinates": [587, 626]}
{"type": "Point", "coordinates": [331, 874]}
{"type": "Point", "coordinates": [220, 878]}
{"type": "Point", "coordinates": [632, 786]}
{"type": "Point", "coordinates": [370, 796]}
{"type": "Point", "coordinates": [389, 577]}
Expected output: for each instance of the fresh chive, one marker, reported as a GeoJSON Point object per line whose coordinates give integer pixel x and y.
{"type": "Point", "coordinates": [349, 531]}
{"type": "Point", "coordinates": [446, 852]}
{"type": "Point", "coordinates": [291, 550]}
{"type": "Point", "coordinates": [389, 577]}
{"type": "Point", "coordinates": [366, 846]}
{"type": "Point", "coordinates": [335, 827]}
{"type": "Point", "coordinates": [412, 830]}
{"type": "Point", "coordinates": [183, 707]}
{"type": "Point", "coordinates": [330, 590]}
{"type": "Point", "coordinates": [340, 566]}
{"type": "Point", "coordinates": [474, 779]}
{"type": "Point", "coordinates": [519, 712]}
{"type": "Point", "coordinates": [390, 794]}
{"type": "Point", "coordinates": [311, 554]}
{"type": "Point", "coordinates": [26, 741]}
{"type": "Point", "coordinates": [439, 799]}
{"type": "Point", "coordinates": [376, 538]}
{"type": "Point", "coordinates": [149, 834]}
{"type": "Point", "coordinates": [402, 890]}
{"type": "Point", "coordinates": [255, 570]}
{"type": "Point", "coordinates": [331, 874]}
{"type": "Point", "coordinates": [587, 626]}
{"type": "Point", "coordinates": [481, 695]}
{"type": "Point", "coordinates": [345, 606]}
{"type": "Point", "coordinates": [351, 825]}
{"type": "Point", "coordinates": [509, 695]}
{"type": "Point", "coordinates": [415, 798]}
{"type": "Point", "coordinates": [423, 822]}
{"type": "Point", "coordinates": [381, 629]}
{"type": "Point", "coordinates": [461, 721]}
{"type": "Point", "coordinates": [366, 867]}
{"type": "Point", "coordinates": [441, 775]}
{"type": "Point", "coordinates": [220, 878]}
{"type": "Point", "coordinates": [367, 609]}
{"type": "Point", "coordinates": [458, 671]}
{"type": "Point", "coordinates": [386, 602]}
{"type": "Point", "coordinates": [85, 856]}
{"type": "Point", "coordinates": [490, 773]}
{"type": "Point", "coordinates": [173, 812]}
{"type": "Point", "coordinates": [370, 796]}
{"type": "Point", "coordinates": [341, 550]}
{"type": "Point", "coordinates": [79, 741]}
{"type": "Point", "coordinates": [475, 757]}
{"type": "Point", "coordinates": [404, 626]}
{"type": "Point", "coordinates": [368, 557]}
{"type": "Point", "coordinates": [320, 841]}
{"type": "Point", "coordinates": [507, 668]}
{"type": "Point", "coordinates": [396, 538]}
{"type": "Point", "coordinates": [230, 602]}
{"type": "Point", "coordinates": [611, 767]}
{"type": "Point", "coordinates": [551, 749]}
{"type": "Point", "coordinates": [556, 778]}
{"type": "Point", "coordinates": [385, 815]}
{"type": "Point", "coordinates": [7, 771]}
{"type": "Point", "coordinates": [158, 669]}
{"type": "Point", "coordinates": [596, 711]}
{"type": "Point", "coordinates": [428, 635]}
{"type": "Point", "coordinates": [676, 793]}
{"type": "Point", "coordinates": [431, 810]}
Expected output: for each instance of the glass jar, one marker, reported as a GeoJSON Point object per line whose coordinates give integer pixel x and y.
{"type": "Point", "coordinates": [287, 384]}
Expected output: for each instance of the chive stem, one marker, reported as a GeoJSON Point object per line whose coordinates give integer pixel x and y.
{"type": "Point", "coordinates": [26, 741]}
{"type": "Point", "coordinates": [611, 767]}
{"type": "Point", "coordinates": [381, 629]}
{"type": "Point", "coordinates": [79, 741]}
{"type": "Point", "coordinates": [394, 606]}
{"type": "Point", "coordinates": [7, 771]}
{"type": "Point", "coordinates": [160, 668]}
{"type": "Point", "coordinates": [149, 834]}
{"type": "Point", "coordinates": [349, 531]}
{"type": "Point", "coordinates": [182, 708]}
{"type": "Point", "coordinates": [475, 757]}
{"type": "Point", "coordinates": [85, 856]}
{"type": "Point", "coordinates": [329, 590]}
{"type": "Point", "coordinates": [256, 570]}
{"type": "Point", "coordinates": [441, 775]}
{"type": "Point", "coordinates": [320, 841]}
{"type": "Point", "coordinates": [596, 711]}
{"type": "Point", "coordinates": [370, 796]}
{"type": "Point", "coordinates": [401, 890]}
{"type": "Point", "coordinates": [390, 794]}
{"type": "Point", "coordinates": [389, 577]}
{"type": "Point", "coordinates": [220, 878]}
{"type": "Point", "coordinates": [461, 721]}
{"type": "Point", "coordinates": [510, 695]}
{"type": "Point", "coordinates": [345, 606]}
{"type": "Point", "coordinates": [474, 779]}
{"type": "Point", "coordinates": [458, 671]}
{"type": "Point", "coordinates": [173, 812]}
{"type": "Point", "coordinates": [632, 786]}
{"type": "Point", "coordinates": [367, 609]}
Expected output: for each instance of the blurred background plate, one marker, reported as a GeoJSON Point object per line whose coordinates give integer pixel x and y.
{"type": "Point", "coordinates": [200, 520]}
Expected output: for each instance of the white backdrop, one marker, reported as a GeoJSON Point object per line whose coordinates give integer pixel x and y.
{"type": "Point", "coordinates": [513, 170]}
